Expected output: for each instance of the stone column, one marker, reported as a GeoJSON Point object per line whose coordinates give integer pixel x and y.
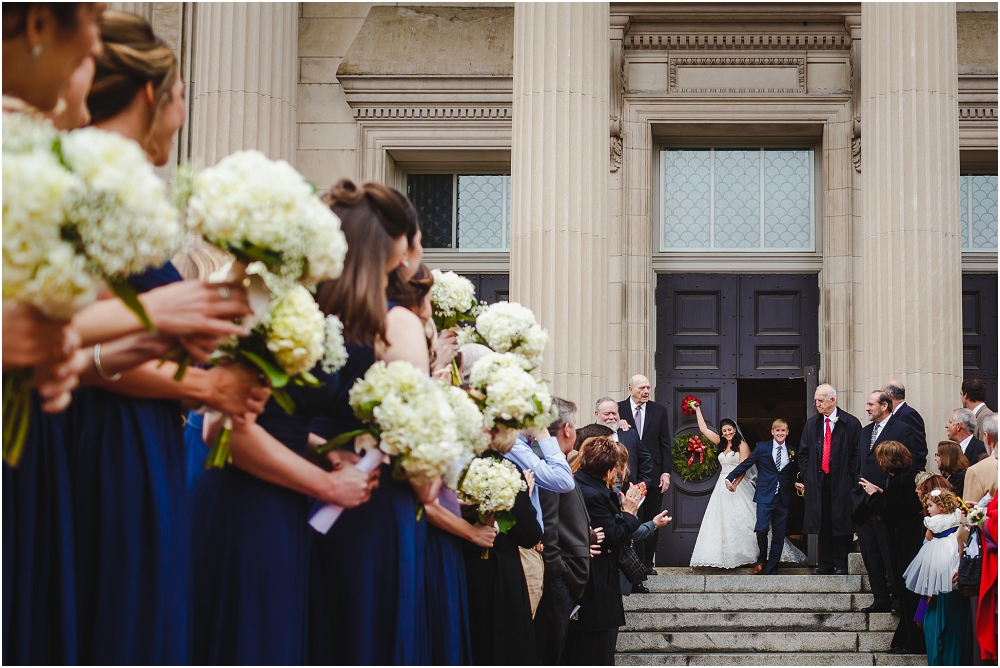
{"type": "Point", "coordinates": [910, 168]}
{"type": "Point", "coordinates": [245, 73]}
{"type": "Point", "coordinates": [559, 175]}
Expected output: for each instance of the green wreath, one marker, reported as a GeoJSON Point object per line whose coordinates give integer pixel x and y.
{"type": "Point", "coordinates": [695, 457]}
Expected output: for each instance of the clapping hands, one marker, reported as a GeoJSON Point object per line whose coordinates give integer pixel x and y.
{"type": "Point", "coordinates": [596, 538]}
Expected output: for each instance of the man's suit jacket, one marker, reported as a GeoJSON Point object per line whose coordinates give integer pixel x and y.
{"type": "Point", "coordinates": [655, 434]}
{"type": "Point", "coordinates": [912, 419]}
{"type": "Point", "coordinates": [773, 486]}
{"type": "Point", "coordinates": [843, 469]}
{"type": "Point", "coordinates": [640, 464]}
{"type": "Point", "coordinates": [975, 450]}
{"type": "Point", "coordinates": [981, 478]}
{"type": "Point", "coordinates": [868, 468]}
{"type": "Point", "coordinates": [984, 412]}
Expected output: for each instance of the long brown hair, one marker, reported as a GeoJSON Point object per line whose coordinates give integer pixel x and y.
{"type": "Point", "coordinates": [371, 216]}
{"type": "Point", "coordinates": [952, 459]}
{"type": "Point", "coordinates": [133, 55]}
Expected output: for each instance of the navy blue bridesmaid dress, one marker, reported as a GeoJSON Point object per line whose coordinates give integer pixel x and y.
{"type": "Point", "coordinates": [195, 448]}
{"type": "Point", "coordinates": [366, 589]}
{"type": "Point", "coordinates": [251, 550]}
{"type": "Point", "coordinates": [39, 606]}
{"type": "Point", "coordinates": [131, 522]}
{"type": "Point", "coordinates": [447, 595]}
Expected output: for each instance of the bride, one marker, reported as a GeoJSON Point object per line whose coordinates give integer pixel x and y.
{"type": "Point", "coordinates": [727, 538]}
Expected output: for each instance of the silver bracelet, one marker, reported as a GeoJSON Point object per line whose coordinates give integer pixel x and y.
{"type": "Point", "coordinates": [100, 370]}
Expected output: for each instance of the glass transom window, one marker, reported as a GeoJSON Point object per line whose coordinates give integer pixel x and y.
{"type": "Point", "coordinates": [737, 199]}
{"type": "Point", "coordinates": [466, 212]}
{"type": "Point", "coordinates": [979, 212]}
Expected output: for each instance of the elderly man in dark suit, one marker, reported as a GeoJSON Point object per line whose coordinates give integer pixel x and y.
{"type": "Point", "coordinates": [828, 461]}
{"type": "Point", "coordinates": [649, 419]}
{"type": "Point", "coordinates": [640, 464]}
{"type": "Point", "coordinates": [567, 548]}
{"type": "Point", "coordinates": [909, 415]}
{"type": "Point", "coordinates": [871, 532]}
{"type": "Point", "coordinates": [961, 428]}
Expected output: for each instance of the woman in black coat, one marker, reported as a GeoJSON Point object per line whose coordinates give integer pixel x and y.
{"type": "Point", "coordinates": [592, 637]}
{"type": "Point", "coordinates": [902, 514]}
{"type": "Point", "coordinates": [500, 626]}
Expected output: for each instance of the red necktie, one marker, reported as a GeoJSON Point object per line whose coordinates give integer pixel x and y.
{"type": "Point", "coordinates": [827, 439]}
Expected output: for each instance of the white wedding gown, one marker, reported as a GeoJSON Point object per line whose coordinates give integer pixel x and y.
{"type": "Point", "coordinates": [726, 538]}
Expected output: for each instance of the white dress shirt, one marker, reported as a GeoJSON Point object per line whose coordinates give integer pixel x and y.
{"type": "Point", "coordinates": [832, 417]}
{"type": "Point", "coordinates": [965, 443]}
{"type": "Point", "coordinates": [975, 411]}
{"type": "Point", "coordinates": [898, 406]}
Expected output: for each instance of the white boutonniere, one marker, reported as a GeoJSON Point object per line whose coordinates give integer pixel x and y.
{"type": "Point", "coordinates": [834, 419]}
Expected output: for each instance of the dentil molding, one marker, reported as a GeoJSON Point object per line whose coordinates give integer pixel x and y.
{"type": "Point", "coordinates": [799, 63]}
{"type": "Point", "coordinates": [433, 113]}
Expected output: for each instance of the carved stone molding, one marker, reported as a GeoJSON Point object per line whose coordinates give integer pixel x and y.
{"type": "Point", "coordinates": [977, 113]}
{"type": "Point", "coordinates": [798, 62]}
{"type": "Point", "coordinates": [856, 143]}
{"type": "Point", "coordinates": [433, 113]}
{"type": "Point", "coordinates": [616, 101]}
{"type": "Point", "coordinates": [722, 41]}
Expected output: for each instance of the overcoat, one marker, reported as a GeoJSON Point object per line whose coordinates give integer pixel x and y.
{"type": "Point", "coordinates": [843, 470]}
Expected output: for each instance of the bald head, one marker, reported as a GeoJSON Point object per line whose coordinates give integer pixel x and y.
{"type": "Point", "coordinates": [825, 398]}
{"type": "Point", "coordinates": [639, 388]}
{"type": "Point", "coordinates": [896, 392]}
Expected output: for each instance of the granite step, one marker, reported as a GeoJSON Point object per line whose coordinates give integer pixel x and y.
{"type": "Point", "coordinates": [677, 583]}
{"type": "Point", "coordinates": [759, 621]}
{"type": "Point", "coordinates": [743, 601]}
{"type": "Point", "coordinates": [773, 659]}
{"type": "Point", "coordinates": [732, 640]}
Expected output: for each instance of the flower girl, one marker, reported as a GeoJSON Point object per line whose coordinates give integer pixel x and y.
{"type": "Point", "coordinates": [930, 574]}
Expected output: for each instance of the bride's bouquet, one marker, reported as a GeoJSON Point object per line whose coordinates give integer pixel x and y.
{"type": "Point", "coordinates": [492, 484]}
{"type": "Point", "coordinates": [508, 327]}
{"type": "Point", "coordinates": [81, 210]}
{"type": "Point", "coordinates": [508, 395]}
{"type": "Point", "coordinates": [262, 210]}
{"type": "Point", "coordinates": [293, 338]}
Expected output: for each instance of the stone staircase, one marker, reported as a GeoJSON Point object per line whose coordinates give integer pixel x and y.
{"type": "Point", "coordinates": [708, 617]}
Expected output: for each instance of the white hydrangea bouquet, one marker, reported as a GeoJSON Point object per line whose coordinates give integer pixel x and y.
{"type": "Point", "coordinates": [81, 210]}
{"type": "Point", "coordinates": [491, 484]}
{"type": "Point", "coordinates": [453, 301]}
{"type": "Point", "coordinates": [262, 210]}
{"type": "Point", "coordinates": [508, 395]}
{"type": "Point", "coordinates": [508, 327]}
{"type": "Point", "coordinates": [286, 345]}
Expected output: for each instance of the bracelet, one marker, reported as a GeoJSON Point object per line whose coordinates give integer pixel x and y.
{"type": "Point", "coordinates": [100, 370]}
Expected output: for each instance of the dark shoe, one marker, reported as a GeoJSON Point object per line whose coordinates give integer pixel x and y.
{"type": "Point", "coordinates": [758, 569]}
{"type": "Point", "coordinates": [899, 650]}
{"type": "Point", "coordinates": [639, 588]}
{"type": "Point", "coordinates": [823, 571]}
{"type": "Point", "coordinates": [839, 571]}
{"type": "Point", "coordinates": [650, 571]}
{"type": "Point", "coordinates": [876, 607]}
{"type": "Point", "coordinates": [894, 608]}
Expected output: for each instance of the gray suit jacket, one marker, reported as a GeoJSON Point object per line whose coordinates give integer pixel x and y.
{"type": "Point", "coordinates": [983, 413]}
{"type": "Point", "coordinates": [566, 538]}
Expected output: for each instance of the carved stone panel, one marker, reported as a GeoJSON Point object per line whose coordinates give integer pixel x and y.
{"type": "Point", "coordinates": [737, 75]}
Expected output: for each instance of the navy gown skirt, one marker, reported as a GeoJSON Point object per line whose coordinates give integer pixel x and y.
{"type": "Point", "coordinates": [131, 523]}
{"type": "Point", "coordinates": [447, 596]}
{"type": "Point", "coordinates": [39, 605]}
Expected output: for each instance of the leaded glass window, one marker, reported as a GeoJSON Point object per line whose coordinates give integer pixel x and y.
{"type": "Point", "coordinates": [978, 212]}
{"type": "Point", "coordinates": [468, 212]}
{"type": "Point", "coordinates": [737, 199]}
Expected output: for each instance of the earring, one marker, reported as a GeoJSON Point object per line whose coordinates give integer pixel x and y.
{"type": "Point", "coordinates": [406, 263]}
{"type": "Point", "coordinates": [36, 51]}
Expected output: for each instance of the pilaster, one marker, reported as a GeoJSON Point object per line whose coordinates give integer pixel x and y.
{"type": "Point", "coordinates": [559, 174]}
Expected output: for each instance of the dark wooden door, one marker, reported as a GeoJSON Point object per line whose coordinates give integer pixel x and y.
{"type": "Point", "coordinates": [490, 288]}
{"type": "Point", "coordinates": [979, 331]}
{"type": "Point", "coordinates": [712, 330]}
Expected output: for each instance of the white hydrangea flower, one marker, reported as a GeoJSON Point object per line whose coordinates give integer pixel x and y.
{"type": "Point", "coordinates": [492, 485]}
{"type": "Point", "coordinates": [125, 221]}
{"type": "Point", "coordinates": [470, 426]}
{"type": "Point", "coordinates": [295, 331]}
{"type": "Point", "coordinates": [335, 356]}
{"type": "Point", "coordinates": [509, 327]}
{"type": "Point", "coordinates": [27, 133]}
{"type": "Point", "coordinates": [452, 297]}
{"type": "Point", "coordinates": [513, 396]}
{"type": "Point", "coordinates": [261, 209]}
{"type": "Point", "coordinates": [39, 267]}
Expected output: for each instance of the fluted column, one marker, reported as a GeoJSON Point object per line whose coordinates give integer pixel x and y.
{"type": "Point", "coordinates": [910, 168]}
{"type": "Point", "coordinates": [559, 174]}
{"type": "Point", "coordinates": [245, 73]}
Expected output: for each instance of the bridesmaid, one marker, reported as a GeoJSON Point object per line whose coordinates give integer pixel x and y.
{"type": "Point", "coordinates": [367, 603]}
{"type": "Point", "coordinates": [124, 435]}
{"type": "Point", "coordinates": [43, 44]}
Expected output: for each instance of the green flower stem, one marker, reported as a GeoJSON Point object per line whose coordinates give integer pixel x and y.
{"type": "Point", "coordinates": [16, 414]}
{"type": "Point", "coordinates": [219, 455]}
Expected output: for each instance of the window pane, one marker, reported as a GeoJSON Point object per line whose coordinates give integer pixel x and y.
{"type": "Point", "coordinates": [737, 199]}
{"type": "Point", "coordinates": [787, 181]}
{"type": "Point", "coordinates": [432, 195]}
{"type": "Point", "coordinates": [983, 199]}
{"type": "Point", "coordinates": [481, 211]}
{"type": "Point", "coordinates": [963, 197]}
{"type": "Point", "coordinates": [686, 204]}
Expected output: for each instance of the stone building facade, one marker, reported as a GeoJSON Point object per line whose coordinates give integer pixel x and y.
{"type": "Point", "coordinates": [738, 200]}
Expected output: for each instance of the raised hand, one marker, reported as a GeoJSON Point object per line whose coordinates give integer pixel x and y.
{"type": "Point", "coordinates": [529, 478]}
{"type": "Point", "coordinates": [630, 505]}
{"type": "Point", "coordinates": [663, 519]}
{"type": "Point", "coordinates": [624, 425]}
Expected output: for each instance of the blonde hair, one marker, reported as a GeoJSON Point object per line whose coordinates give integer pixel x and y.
{"type": "Point", "coordinates": [132, 56]}
{"type": "Point", "coordinates": [779, 423]}
{"type": "Point", "coordinates": [200, 260]}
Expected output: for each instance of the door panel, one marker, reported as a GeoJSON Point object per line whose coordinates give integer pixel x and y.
{"type": "Point", "coordinates": [490, 288]}
{"type": "Point", "coordinates": [779, 324]}
{"type": "Point", "coordinates": [979, 331]}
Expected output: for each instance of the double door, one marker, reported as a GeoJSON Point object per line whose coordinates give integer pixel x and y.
{"type": "Point", "coordinates": [740, 343]}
